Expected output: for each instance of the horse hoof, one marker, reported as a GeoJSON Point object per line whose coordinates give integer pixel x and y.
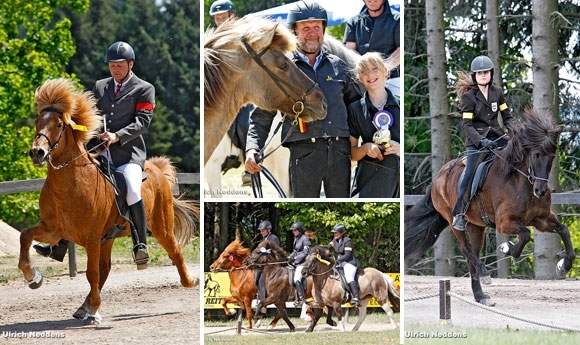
{"type": "Point", "coordinates": [506, 247]}
{"type": "Point", "coordinates": [487, 302]}
{"type": "Point", "coordinates": [560, 270]}
{"type": "Point", "coordinates": [36, 280]}
{"type": "Point", "coordinates": [80, 313]}
{"type": "Point", "coordinates": [333, 323]}
{"type": "Point", "coordinates": [486, 280]}
{"type": "Point", "coordinates": [92, 319]}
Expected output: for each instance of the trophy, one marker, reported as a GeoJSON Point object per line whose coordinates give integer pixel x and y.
{"type": "Point", "coordinates": [383, 120]}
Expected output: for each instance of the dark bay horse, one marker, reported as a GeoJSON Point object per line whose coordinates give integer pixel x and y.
{"type": "Point", "coordinates": [246, 60]}
{"type": "Point", "coordinates": [328, 290]}
{"type": "Point", "coordinates": [515, 195]}
{"type": "Point", "coordinates": [77, 203]}
{"type": "Point", "coordinates": [276, 275]}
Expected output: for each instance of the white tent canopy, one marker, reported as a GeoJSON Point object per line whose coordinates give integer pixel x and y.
{"type": "Point", "coordinates": [338, 11]}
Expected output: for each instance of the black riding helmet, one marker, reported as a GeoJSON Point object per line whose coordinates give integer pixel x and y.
{"type": "Point", "coordinates": [221, 6]}
{"type": "Point", "coordinates": [119, 51]}
{"type": "Point", "coordinates": [306, 11]}
{"type": "Point", "coordinates": [480, 64]}
{"type": "Point", "coordinates": [297, 226]}
{"type": "Point", "coordinates": [339, 228]}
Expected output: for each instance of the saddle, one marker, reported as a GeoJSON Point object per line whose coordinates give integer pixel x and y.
{"type": "Point", "coordinates": [484, 163]}
{"type": "Point", "coordinates": [117, 180]}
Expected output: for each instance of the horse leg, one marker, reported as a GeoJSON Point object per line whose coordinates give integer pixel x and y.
{"type": "Point", "coordinates": [275, 320]}
{"type": "Point", "coordinates": [249, 314]}
{"type": "Point", "coordinates": [552, 224]}
{"type": "Point", "coordinates": [317, 314]}
{"type": "Point", "coordinates": [32, 276]}
{"type": "Point", "coordinates": [329, 319]}
{"type": "Point", "coordinates": [162, 224]}
{"type": "Point", "coordinates": [362, 314]}
{"type": "Point", "coordinates": [477, 269]}
{"type": "Point", "coordinates": [515, 250]}
{"type": "Point", "coordinates": [387, 308]}
{"type": "Point", "coordinates": [338, 308]}
{"type": "Point", "coordinates": [281, 306]}
{"type": "Point", "coordinates": [93, 301]}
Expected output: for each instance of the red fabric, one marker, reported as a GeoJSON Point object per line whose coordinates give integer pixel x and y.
{"type": "Point", "coordinates": [118, 89]}
{"type": "Point", "coordinates": [301, 125]}
{"type": "Point", "coordinates": [144, 106]}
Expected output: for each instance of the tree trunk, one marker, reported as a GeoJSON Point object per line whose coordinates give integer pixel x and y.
{"type": "Point", "coordinates": [545, 98]}
{"type": "Point", "coordinates": [503, 263]}
{"type": "Point", "coordinates": [224, 228]}
{"type": "Point", "coordinates": [439, 112]}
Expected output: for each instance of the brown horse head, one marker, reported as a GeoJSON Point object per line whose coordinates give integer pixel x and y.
{"type": "Point", "coordinates": [64, 113]}
{"type": "Point", "coordinates": [233, 256]}
{"type": "Point", "coordinates": [267, 252]}
{"type": "Point", "coordinates": [319, 259]}
{"type": "Point", "coordinates": [248, 60]}
{"type": "Point", "coordinates": [532, 149]}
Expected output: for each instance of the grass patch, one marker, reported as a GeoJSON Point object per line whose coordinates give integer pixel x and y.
{"type": "Point", "coordinates": [273, 337]}
{"type": "Point", "coordinates": [321, 338]}
{"type": "Point", "coordinates": [442, 335]}
{"type": "Point", "coordinates": [120, 256]}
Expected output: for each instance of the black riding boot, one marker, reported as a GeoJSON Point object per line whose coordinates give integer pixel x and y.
{"type": "Point", "coordinates": [56, 252]}
{"type": "Point", "coordinates": [140, 255]}
{"type": "Point", "coordinates": [354, 289]}
{"type": "Point", "coordinates": [300, 292]}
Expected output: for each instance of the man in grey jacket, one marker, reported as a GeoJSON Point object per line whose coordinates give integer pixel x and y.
{"type": "Point", "coordinates": [319, 150]}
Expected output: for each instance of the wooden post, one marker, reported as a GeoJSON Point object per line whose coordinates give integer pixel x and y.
{"type": "Point", "coordinates": [444, 302]}
{"type": "Point", "coordinates": [72, 259]}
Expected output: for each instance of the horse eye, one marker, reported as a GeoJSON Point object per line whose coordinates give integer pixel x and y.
{"type": "Point", "coordinates": [60, 124]}
{"type": "Point", "coordinates": [284, 67]}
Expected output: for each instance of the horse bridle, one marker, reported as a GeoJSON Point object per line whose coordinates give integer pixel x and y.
{"type": "Point", "coordinates": [530, 176]}
{"type": "Point", "coordinates": [231, 258]}
{"type": "Point", "coordinates": [298, 106]}
{"type": "Point", "coordinates": [50, 144]}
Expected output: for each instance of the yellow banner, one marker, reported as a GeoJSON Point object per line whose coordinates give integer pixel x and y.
{"type": "Point", "coordinates": [216, 287]}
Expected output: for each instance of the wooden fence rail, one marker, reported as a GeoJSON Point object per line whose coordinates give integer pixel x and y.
{"type": "Point", "coordinates": [32, 185]}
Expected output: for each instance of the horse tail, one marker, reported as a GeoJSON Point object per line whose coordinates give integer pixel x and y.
{"type": "Point", "coordinates": [185, 211]}
{"type": "Point", "coordinates": [392, 293]}
{"type": "Point", "coordinates": [423, 224]}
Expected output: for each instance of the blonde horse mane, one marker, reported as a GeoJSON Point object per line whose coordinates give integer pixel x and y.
{"type": "Point", "coordinates": [77, 106]}
{"type": "Point", "coordinates": [223, 47]}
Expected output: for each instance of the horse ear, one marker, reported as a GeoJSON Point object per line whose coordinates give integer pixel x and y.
{"type": "Point", "coordinates": [265, 41]}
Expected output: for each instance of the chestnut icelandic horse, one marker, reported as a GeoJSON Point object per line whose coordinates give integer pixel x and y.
{"type": "Point", "coordinates": [514, 195]}
{"type": "Point", "coordinates": [242, 286]}
{"type": "Point", "coordinates": [328, 290]}
{"type": "Point", "coordinates": [77, 202]}
{"type": "Point", "coordinates": [246, 60]}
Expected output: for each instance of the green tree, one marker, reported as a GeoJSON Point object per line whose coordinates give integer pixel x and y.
{"type": "Point", "coordinates": [165, 37]}
{"type": "Point", "coordinates": [36, 44]}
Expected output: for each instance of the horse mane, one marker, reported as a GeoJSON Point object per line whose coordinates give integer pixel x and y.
{"type": "Point", "coordinates": [310, 234]}
{"type": "Point", "coordinates": [277, 252]}
{"type": "Point", "coordinates": [222, 49]}
{"type": "Point", "coordinates": [324, 252]}
{"type": "Point", "coordinates": [537, 132]}
{"type": "Point", "coordinates": [237, 248]}
{"type": "Point", "coordinates": [77, 106]}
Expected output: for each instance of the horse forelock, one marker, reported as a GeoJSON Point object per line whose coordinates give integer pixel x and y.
{"type": "Point", "coordinates": [237, 248]}
{"type": "Point", "coordinates": [536, 133]}
{"type": "Point", "coordinates": [75, 104]}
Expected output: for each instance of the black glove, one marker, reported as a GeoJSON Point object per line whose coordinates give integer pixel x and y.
{"type": "Point", "coordinates": [488, 144]}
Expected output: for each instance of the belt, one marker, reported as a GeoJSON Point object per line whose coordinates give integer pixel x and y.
{"type": "Point", "coordinates": [320, 140]}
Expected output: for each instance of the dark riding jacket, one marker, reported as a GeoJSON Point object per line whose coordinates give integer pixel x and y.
{"type": "Point", "coordinates": [128, 115]}
{"type": "Point", "coordinates": [272, 238]}
{"type": "Point", "coordinates": [345, 250]}
{"type": "Point", "coordinates": [378, 182]}
{"type": "Point", "coordinates": [480, 115]}
{"type": "Point", "coordinates": [379, 34]}
{"type": "Point", "coordinates": [301, 246]}
{"type": "Point", "coordinates": [339, 88]}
